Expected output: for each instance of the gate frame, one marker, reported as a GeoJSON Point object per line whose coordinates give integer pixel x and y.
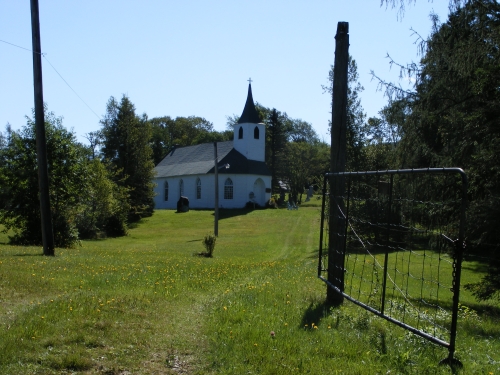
{"type": "Point", "coordinates": [457, 260]}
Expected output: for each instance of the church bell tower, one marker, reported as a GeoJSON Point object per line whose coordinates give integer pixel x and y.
{"type": "Point", "coordinates": [249, 132]}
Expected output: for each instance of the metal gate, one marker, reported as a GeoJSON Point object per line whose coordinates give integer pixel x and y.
{"type": "Point", "coordinates": [398, 246]}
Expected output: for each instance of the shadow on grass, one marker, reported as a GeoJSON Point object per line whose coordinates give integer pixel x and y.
{"type": "Point", "coordinates": [229, 213]}
{"type": "Point", "coordinates": [486, 310]}
{"type": "Point", "coordinates": [314, 254]}
{"type": "Point", "coordinates": [315, 312]}
{"type": "Point", "coordinates": [28, 255]}
{"type": "Point", "coordinates": [476, 266]}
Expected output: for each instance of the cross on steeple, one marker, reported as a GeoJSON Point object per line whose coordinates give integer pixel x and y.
{"type": "Point", "coordinates": [250, 80]}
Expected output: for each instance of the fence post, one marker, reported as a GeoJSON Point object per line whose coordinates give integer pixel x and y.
{"type": "Point", "coordinates": [337, 164]}
{"type": "Point", "coordinates": [457, 271]}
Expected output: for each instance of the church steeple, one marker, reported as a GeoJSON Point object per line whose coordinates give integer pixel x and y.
{"type": "Point", "coordinates": [249, 114]}
{"type": "Point", "coordinates": [250, 133]}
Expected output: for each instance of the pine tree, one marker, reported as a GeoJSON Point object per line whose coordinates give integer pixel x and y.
{"type": "Point", "coordinates": [126, 147]}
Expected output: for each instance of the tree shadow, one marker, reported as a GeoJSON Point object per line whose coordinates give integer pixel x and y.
{"type": "Point", "coordinates": [476, 267]}
{"type": "Point", "coordinates": [315, 312]}
{"type": "Point", "coordinates": [233, 212]}
{"type": "Point", "coordinates": [314, 254]}
{"type": "Point", "coordinates": [28, 255]}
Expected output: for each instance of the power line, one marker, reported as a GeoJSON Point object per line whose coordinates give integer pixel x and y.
{"type": "Point", "coordinates": [15, 45]}
{"type": "Point", "coordinates": [59, 74]}
{"type": "Point", "coordinates": [70, 86]}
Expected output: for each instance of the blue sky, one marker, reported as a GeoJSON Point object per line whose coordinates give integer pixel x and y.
{"type": "Point", "coordinates": [194, 57]}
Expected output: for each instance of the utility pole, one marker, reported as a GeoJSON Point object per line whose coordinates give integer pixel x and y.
{"type": "Point", "coordinates": [41, 144]}
{"type": "Point", "coordinates": [216, 199]}
{"type": "Point", "coordinates": [336, 240]}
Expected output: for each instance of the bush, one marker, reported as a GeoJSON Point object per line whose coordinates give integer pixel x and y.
{"type": "Point", "coordinates": [209, 243]}
{"type": "Point", "coordinates": [272, 203]}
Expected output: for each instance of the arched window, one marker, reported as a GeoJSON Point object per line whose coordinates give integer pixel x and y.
{"type": "Point", "coordinates": [198, 188]}
{"type": "Point", "coordinates": [165, 191]}
{"type": "Point", "coordinates": [240, 133]}
{"type": "Point", "coordinates": [228, 189]}
{"type": "Point", "coordinates": [256, 133]}
{"type": "Point", "coordinates": [181, 188]}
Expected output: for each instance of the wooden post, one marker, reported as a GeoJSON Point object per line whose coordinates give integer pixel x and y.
{"type": "Point", "coordinates": [216, 199]}
{"type": "Point", "coordinates": [41, 144]}
{"type": "Point", "coordinates": [336, 241]}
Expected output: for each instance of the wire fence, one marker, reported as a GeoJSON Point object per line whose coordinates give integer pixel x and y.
{"type": "Point", "coordinates": [398, 247]}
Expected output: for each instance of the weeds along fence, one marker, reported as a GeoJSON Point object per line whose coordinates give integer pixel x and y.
{"type": "Point", "coordinates": [398, 246]}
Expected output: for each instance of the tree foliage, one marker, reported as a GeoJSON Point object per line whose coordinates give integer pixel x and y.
{"type": "Point", "coordinates": [126, 146]}
{"type": "Point", "coordinates": [305, 162]}
{"type": "Point", "coordinates": [103, 205]}
{"type": "Point", "coordinates": [19, 177]}
{"type": "Point", "coordinates": [451, 118]}
{"type": "Point", "coordinates": [276, 140]}
{"type": "Point", "coordinates": [85, 202]}
{"type": "Point", "coordinates": [182, 131]}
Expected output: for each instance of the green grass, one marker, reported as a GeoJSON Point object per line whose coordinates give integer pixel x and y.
{"type": "Point", "coordinates": [145, 304]}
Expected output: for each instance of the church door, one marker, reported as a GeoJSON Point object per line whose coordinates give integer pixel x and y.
{"type": "Point", "coordinates": [259, 189]}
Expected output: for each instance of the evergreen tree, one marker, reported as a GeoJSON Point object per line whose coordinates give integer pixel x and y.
{"type": "Point", "coordinates": [126, 146]}
{"type": "Point", "coordinates": [451, 118]}
{"type": "Point", "coordinates": [275, 147]}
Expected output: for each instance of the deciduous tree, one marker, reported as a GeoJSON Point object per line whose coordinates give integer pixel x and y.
{"type": "Point", "coordinates": [66, 165]}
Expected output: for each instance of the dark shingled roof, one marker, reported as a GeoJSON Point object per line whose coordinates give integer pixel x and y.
{"type": "Point", "coordinates": [249, 114]}
{"type": "Point", "coordinates": [199, 159]}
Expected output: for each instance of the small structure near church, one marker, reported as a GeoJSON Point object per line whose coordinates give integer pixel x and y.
{"type": "Point", "coordinates": [189, 171]}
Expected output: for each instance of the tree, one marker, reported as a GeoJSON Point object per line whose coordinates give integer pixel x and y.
{"type": "Point", "coordinates": [451, 118]}
{"type": "Point", "coordinates": [401, 7]}
{"type": "Point", "coordinates": [276, 140]}
{"type": "Point", "coordinates": [20, 209]}
{"type": "Point", "coordinates": [103, 207]}
{"type": "Point", "coordinates": [126, 146]}
{"type": "Point", "coordinates": [301, 131]}
{"type": "Point", "coordinates": [304, 163]}
{"type": "Point", "coordinates": [183, 131]}
{"type": "Point", "coordinates": [95, 140]}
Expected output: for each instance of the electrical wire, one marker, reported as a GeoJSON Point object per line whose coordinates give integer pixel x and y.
{"type": "Point", "coordinates": [59, 74]}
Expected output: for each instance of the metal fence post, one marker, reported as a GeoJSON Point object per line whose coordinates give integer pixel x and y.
{"type": "Point", "coordinates": [338, 161]}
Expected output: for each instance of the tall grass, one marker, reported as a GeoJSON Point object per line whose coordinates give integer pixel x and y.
{"type": "Point", "coordinates": [144, 304]}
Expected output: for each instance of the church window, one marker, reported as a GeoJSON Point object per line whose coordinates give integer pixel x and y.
{"type": "Point", "coordinates": [165, 191]}
{"type": "Point", "coordinates": [240, 133]}
{"type": "Point", "coordinates": [256, 133]}
{"type": "Point", "coordinates": [181, 188]}
{"type": "Point", "coordinates": [228, 189]}
{"type": "Point", "coordinates": [198, 188]}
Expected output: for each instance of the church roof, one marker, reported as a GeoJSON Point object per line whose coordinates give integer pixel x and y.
{"type": "Point", "coordinates": [199, 159]}
{"type": "Point", "coordinates": [249, 114]}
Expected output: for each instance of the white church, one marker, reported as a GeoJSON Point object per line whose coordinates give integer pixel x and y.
{"type": "Point", "coordinates": [243, 175]}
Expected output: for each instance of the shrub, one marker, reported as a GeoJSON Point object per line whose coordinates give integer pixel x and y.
{"type": "Point", "coordinates": [272, 203]}
{"type": "Point", "coordinates": [209, 243]}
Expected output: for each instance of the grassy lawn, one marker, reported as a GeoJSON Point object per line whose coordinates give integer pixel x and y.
{"type": "Point", "coordinates": [144, 304]}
